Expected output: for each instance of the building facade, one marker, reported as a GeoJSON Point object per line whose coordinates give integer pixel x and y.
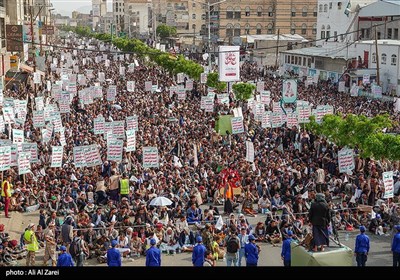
{"type": "Point", "coordinates": [137, 17]}
{"type": "Point", "coordinates": [253, 17]}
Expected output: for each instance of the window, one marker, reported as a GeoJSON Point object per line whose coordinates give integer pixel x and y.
{"type": "Point", "coordinates": [315, 12]}
{"type": "Point", "coordinates": [335, 35]}
{"type": "Point", "coordinates": [258, 28]}
{"type": "Point", "coordinates": [325, 8]}
{"type": "Point", "coordinates": [396, 34]}
{"type": "Point", "coordinates": [229, 30]}
{"type": "Point", "coordinates": [237, 12]}
{"type": "Point", "coordinates": [339, 5]}
{"type": "Point", "coordinates": [269, 29]}
{"type": "Point", "coordinates": [383, 58]}
{"type": "Point", "coordinates": [389, 33]}
{"type": "Point", "coordinates": [194, 26]}
{"type": "Point", "coordinates": [247, 11]}
{"type": "Point", "coordinates": [293, 11]}
{"type": "Point", "coordinates": [229, 12]}
{"type": "Point", "coordinates": [194, 5]}
{"type": "Point", "coordinates": [304, 29]}
{"type": "Point", "coordinates": [237, 30]}
{"type": "Point", "coordinates": [293, 29]}
{"type": "Point", "coordinates": [259, 11]}
{"type": "Point", "coordinates": [203, 16]}
{"type": "Point", "coordinates": [270, 11]}
{"type": "Point", "coordinates": [304, 12]}
{"type": "Point", "coordinates": [322, 34]}
{"type": "Point", "coordinates": [394, 59]}
{"type": "Point", "coordinates": [373, 57]}
{"type": "Point", "coordinates": [193, 16]}
{"type": "Point", "coordinates": [247, 29]}
{"type": "Point", "coordinates": [328, 31]}
{"type": "Point", "coordinates": [330, 5]}
{"type": "Point", "coordinates": [295, 60]}
{"type": "Point", "coordinates": [314, 29]}
{"type": "Point", "coordinates": [320, 8]}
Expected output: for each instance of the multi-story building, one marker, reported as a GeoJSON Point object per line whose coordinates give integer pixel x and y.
{"type": "Point", "coordinates": [137, 17]}
{"type": "Point", "coordinates": [99, 9]}
{"type": "Point", "coordinates": [118, 8]}
{"type": "Point", "coordinates": [236, 18]}
{"type": "Point", "coordinates": [106, 22]}
{"type": "Point", "coordinates": [337, 19]}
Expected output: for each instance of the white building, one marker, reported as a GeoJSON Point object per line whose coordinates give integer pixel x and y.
{"type": "Point", "coordinates": [99, 9]}
{"type": "Point", "coordinates": [337, 17]}
{"type": "Point", "coordinates": [137, 17]}
{"type": "Point", "coordinates": [388, 59]}
{"type": "Point", "coordinates": [105, 22]}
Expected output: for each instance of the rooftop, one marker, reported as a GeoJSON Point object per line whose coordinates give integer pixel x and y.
{"type": "Point", "coordinates": [273, 37]}
{"type": "Point", "coordinates": [333, 52]}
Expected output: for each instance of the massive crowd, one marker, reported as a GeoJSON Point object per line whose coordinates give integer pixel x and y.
{"type": "Point", "coordinates": [86, 209]}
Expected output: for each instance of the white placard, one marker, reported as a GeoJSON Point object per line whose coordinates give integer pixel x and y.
{"type": "Point", "coordinates": [56, 156]}
{"type": "Point", "coordinates": [150, 157]}
{"type": "Point", "coordinates": [237, 125]}
{"type": "Point", "coordinates": [249, 151]}
{"type": "Point", "coordinates": [388, 183]}
{"type": "Point", "coordinates": [130, 140]}
{"type": "Point", "coordinates": [346, 160]}
{"type": "Point", "coordinates": [24, 165]}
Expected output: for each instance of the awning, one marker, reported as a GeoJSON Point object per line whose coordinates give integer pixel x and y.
{"type": "Point", "coordinates": [29, 69]}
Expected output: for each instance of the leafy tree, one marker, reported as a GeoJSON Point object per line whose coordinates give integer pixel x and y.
{"type": "Point", "coordinates": [243, 91]}
{"type": "Point", "coordinates": [165, 31]}
{"type": "Point", "coordinates": [213, 81]}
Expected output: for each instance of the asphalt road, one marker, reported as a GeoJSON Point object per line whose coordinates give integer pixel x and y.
{"type": "Point", "coordinates": [379, 255]}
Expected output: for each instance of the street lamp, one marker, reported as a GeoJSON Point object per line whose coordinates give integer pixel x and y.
{"type": "Point", "coordinates": [209, 25]}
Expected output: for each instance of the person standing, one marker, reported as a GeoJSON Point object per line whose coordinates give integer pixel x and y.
{"type": "Point", "coordinates": [199, 251]}
{"type": "Point", "coordinates": [232, 244]}
{"type": "Point", "coordinates": [362, 247]}
{"type": "Point", "coordinates": [124, 186]}
{"type": "Point", "coordinates": [50, 250]}
{"type": "Point", "coordinates": [319, 217]}
{"type": "Point", "coordinates": [396, 247]}
{"type": "Point", "coordinates": [64, 259]}
{"type": "Point", "coordinates": [251, 251]}
{"type": "Point", "coordinates": [286, 251]}
{"type": "Point", "coordinates": [6, 188]}
{"type": "Point", "coordinates": [153, 254]}
{"type": "Point", "coordinates": [113, 255]}
{"type": "Point", "coordinates": [244, 239]}
{"type": "Point", "coordinates": [32, 244]}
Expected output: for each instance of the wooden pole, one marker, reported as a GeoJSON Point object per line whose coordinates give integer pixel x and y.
{"type": "Point", "coordinates": [277, 50]}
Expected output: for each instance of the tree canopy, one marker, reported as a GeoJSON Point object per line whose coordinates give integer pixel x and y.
{"type": "Point", "coordinates": [243, 91]}
{"type": "Point", "coordinates": [359, 131]}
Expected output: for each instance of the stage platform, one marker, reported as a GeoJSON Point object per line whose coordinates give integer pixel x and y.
{"type": "Point", "coordinates": [332, 256]}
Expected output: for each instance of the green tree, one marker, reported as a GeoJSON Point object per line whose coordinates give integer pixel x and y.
{"type": "Point", "coordinates": [243, 91]}
{"type": "Point", "coordinates": [165, 31]}
{"type": "Point", "coordinates": [213, 81]}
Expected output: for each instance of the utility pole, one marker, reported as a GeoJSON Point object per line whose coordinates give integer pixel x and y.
{"type": "Point", "coordinates": [209, 37]}
{"type": "Point", "coordinates": [277, 50]}
{"type": "Point", "coordinates": [33, 48]}
{"type": "Point", "coordinates": [377, 56]}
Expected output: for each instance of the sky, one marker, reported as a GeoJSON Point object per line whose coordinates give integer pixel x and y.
{"type": "Point", "coordinates": [66, 7]}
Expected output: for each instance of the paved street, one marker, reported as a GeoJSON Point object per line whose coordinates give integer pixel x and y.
{"type": "Point", "coordinates": [380, 254]}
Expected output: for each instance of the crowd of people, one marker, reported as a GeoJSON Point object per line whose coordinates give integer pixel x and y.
{"type": "Point", "coordinates": [87, 210]}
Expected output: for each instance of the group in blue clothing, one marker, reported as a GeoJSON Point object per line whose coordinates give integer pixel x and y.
{"type": "Point", "coordinates": [251, 251]}
{"type": "Point", "coordinates": [199, 252]}
{"type": "Point", "coordinates": [286, 253]}
{"type": "Point", "coordinates": [396, 247]}
{"type": "Point", "coordinates": [64, 259]}
{"type": "Point", "coordinates": [153, 254]}
{"type": "Point", "coordinates": [113, 255]}
{"type": "Point", "coordinates": [362, 247]}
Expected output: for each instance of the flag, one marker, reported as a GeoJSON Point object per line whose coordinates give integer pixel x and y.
{"type": "Point", "coordinates": [347, 10]}
{"type": "Point", "coordinates": [220, 223]}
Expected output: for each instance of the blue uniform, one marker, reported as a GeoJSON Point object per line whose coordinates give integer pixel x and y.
{"type": "Point", "coordinates": [396, 249]}
{"type": "Point", "coordinates": [362, 249]}
{"type": "Point", "coordinates": [153, 256]}
{"type": "Point", "coordinates": [113, 257]}
{"type": "Point", "coordinates": [65, 259]}
{"type": "Point", "coordinates": [251, 254]}
{"type": "Point", "coordinates": [286, 252]}
{"type": "Point", "coordinates": [198, 255]}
